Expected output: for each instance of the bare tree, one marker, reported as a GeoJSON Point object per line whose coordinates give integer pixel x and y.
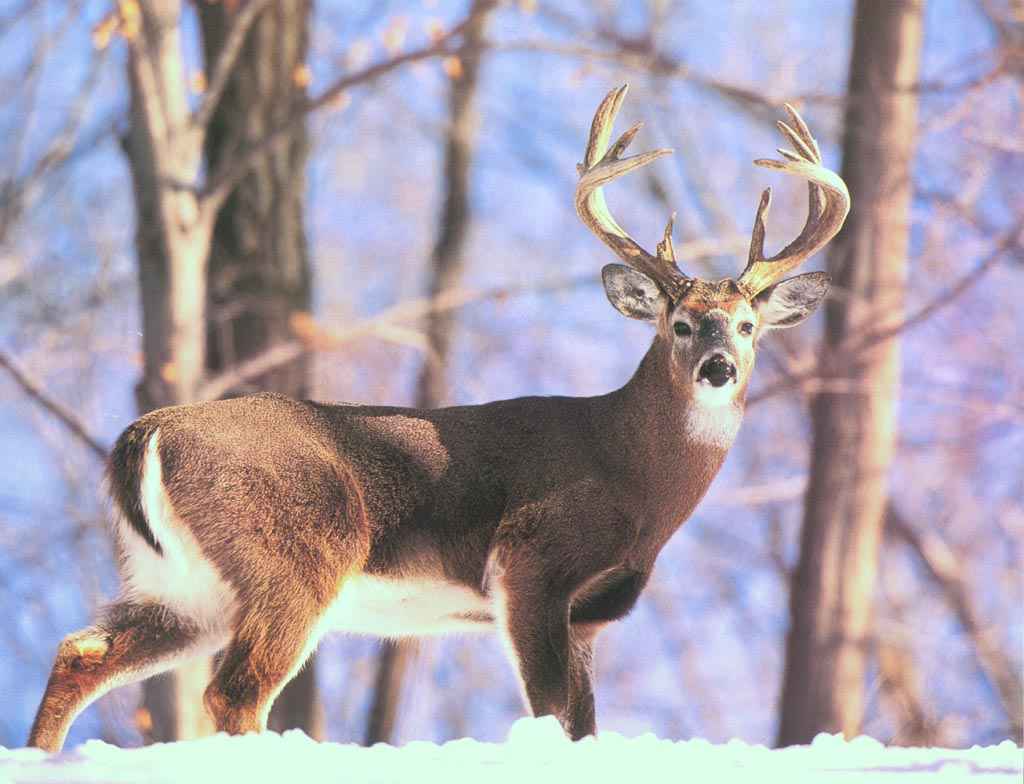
{"type": "Point", "coordinates": [853, 416]}
{"type": "Point", "coordinates": [446, 268]}
{"type": "Point", "coordinates": [172, 241]}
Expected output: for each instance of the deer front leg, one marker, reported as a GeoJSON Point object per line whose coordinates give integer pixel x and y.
{"type": "Point", "coordinates": [553, 663]}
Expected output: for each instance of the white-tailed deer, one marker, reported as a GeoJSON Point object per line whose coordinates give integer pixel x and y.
{"type": "Point", "coordinates": [257, 524]}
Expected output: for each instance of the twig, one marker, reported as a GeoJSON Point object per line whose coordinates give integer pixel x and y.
{"type": "Point", "coordinates": [943, 568]}
{"type": "Point", "coordinates": [244, 20]}
{"type": "Point", "coordinates": [223, 182]}
{"type": "Point", "coordinates": [65, 417]}
{"type": "Point", "coordinates": [857, 344]}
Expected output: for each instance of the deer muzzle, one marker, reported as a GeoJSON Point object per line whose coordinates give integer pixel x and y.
{"type": "Point", "coordinates": [716, 369]}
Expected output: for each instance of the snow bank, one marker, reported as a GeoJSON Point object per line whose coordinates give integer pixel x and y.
{"type": "Point", "coordinates": [535, 752]}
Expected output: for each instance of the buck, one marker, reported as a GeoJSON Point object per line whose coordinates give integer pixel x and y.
{"type": "Point", "coordinates": [255, 525]}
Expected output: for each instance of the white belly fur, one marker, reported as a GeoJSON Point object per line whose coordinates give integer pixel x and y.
{"type": "Point", "coordinates": [388, 607]}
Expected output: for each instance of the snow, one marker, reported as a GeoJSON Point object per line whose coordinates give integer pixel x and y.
{"type": "Point", "coordinates": [536, 751]}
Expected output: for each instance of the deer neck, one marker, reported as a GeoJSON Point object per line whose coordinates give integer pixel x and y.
{"type": "Point", "coordinates": [664, 440]}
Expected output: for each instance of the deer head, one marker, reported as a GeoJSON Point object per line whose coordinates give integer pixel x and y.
{"type": "Point", "coordinates": [711, 326]}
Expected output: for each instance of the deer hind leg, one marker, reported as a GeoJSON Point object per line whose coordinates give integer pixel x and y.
{"type": "Point", "coordinates": [270, 645]}
{"type": "Point", "coordinates": [131, 641]}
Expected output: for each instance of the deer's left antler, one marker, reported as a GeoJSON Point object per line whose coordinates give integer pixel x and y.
{"type": "Point", "coordinates": [829, 203]}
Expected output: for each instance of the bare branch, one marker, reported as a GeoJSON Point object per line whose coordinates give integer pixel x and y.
{"type": "Point", "coordinates": [35, 391]}
{"type": "Point", "coordinates": [943, 567]}
{"type": "Point", "coordinates": [226, 61]}
{"type": "Point", "coordinates": [222, 182]}
{"type": "Point", "coordinates": [314, 337]}
{"type": "Point", "coordinates": [239, 374]}
{"type": "Point", "coordinates": [1009, 242]}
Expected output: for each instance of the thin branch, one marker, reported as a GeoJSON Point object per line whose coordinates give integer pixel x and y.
{"type": "Point", "coordinates": [271, 359]}
{"type": "Point", "coordinates": [222, 182]}
{"type": "Point", "coordinates": [857, 344]}
{"type": "Point", "coordinates": [944, 569]}
{"type": "Point", "coordinates": [244, 21]}
{"type": "Point", "coordinates": [65, 417]}
{"type": "Point", "coordinates": [314, 337]}
{"type": "Point", "coordinates": [1010, 240]}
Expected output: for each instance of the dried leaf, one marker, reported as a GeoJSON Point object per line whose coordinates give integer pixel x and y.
{"type": "Point", "coordinates": [303, 325]}
{"type": "Point", "coordinates": [104, 32]}
{"type": "Point", "coordinates": [358, 54]}
{"type": "Point", "coordinates": [394, 34]}
{"type": "Point", "coordinates": [131, 18]}
{"type": "Point", "coordinates": [435, 30]}
{"type": "Point", "coordinates": [452, 66]}
{"type": "Point", "coordinates": [302, 75]}
{"type": "Point", "coordinates": [143, 720]}
{"type": "Point", "coordinates": [340, 102]}
{"type": "Point", "coordinates": [197, 82]}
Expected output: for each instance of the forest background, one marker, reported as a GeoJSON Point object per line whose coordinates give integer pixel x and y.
{"type": "Point", "coordinates": [383, 213]}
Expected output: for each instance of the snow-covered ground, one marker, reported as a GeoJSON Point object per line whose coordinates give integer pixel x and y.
{"type": "Point", "coordinates": [535, 752]}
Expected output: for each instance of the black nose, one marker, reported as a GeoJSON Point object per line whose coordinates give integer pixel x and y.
{"type": "Point", "coordinates": [718, 369]}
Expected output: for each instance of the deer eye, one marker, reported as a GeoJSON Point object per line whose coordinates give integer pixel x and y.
{"type": "Point", "coordinates": [747, 328]}
{"type": "Point", "coordinates": [682, 329]}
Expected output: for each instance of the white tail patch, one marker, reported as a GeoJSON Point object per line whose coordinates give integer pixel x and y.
{"type": "Point", "coordinates": [182, 578]}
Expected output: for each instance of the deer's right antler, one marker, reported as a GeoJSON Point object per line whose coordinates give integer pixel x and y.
{"type": "Point", "coordinates": [600, 166]}
{"type": "Point", "coordinates": [829, 204]}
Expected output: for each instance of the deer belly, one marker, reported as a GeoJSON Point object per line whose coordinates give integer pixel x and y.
{"type": "Point", "coordinates": [388, 607]}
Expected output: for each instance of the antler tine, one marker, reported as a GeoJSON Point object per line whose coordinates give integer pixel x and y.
{"type": "Point", "coordinates": [828, 205]}
{"type": "Point", "coordinates": [600, 166]}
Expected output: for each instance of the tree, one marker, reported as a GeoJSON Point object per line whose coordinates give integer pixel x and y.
{"type": "Point", "coordinates": [446, 267]}
{"type": "Point", "coordinates": [259, 274]}
{"type": "Point", "coordinates": [853, 415]}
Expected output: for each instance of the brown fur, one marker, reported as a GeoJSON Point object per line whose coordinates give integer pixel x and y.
{"type": "Point", "coordinates": [575, 496]}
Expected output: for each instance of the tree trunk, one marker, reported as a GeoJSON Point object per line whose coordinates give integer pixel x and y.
{"type": "Point", "coordinates": [446, 267]}
{"type": "Point", "coordinates": [171, 241]}
{"type": "Point", "coordinates": [259, 272]}
{"type": "Point", "coordinates": [853, 417]}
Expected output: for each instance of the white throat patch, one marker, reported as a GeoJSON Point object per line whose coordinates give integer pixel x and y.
{"type": "Point", "coordinates": [713, 418]}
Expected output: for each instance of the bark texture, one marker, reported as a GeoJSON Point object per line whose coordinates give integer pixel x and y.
{"type": "Point", "coordinates": [446, 270]}
{"type": "Point", "coordinates": [832, 594]}
{"type": "Point", "coordinates": [259, 271]}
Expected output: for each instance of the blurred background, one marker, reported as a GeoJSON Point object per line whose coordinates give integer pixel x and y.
{"type": "Point", "coordinates": [372, 201]}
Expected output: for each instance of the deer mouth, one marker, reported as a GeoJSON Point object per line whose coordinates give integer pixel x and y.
{"type": "Point", "coordinates": [716, 370]}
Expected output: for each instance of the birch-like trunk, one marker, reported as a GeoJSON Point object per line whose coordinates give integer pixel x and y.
{"type": "Point", "coordinates": [172, 241]}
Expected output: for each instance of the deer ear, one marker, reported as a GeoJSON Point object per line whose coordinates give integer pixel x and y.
{"type": "Point", "coordinates": [790, 301]}
{"type": "Point", "coordinates": [632, 293]}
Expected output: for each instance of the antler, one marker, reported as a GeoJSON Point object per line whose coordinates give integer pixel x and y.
{"type": "Point", "coordinates": [602, 165]}
{"type": "Point", "coordinates": [829, 202]}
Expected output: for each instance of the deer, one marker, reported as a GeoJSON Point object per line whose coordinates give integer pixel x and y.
{"type": "Point", "coordinates": [252, 526]}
